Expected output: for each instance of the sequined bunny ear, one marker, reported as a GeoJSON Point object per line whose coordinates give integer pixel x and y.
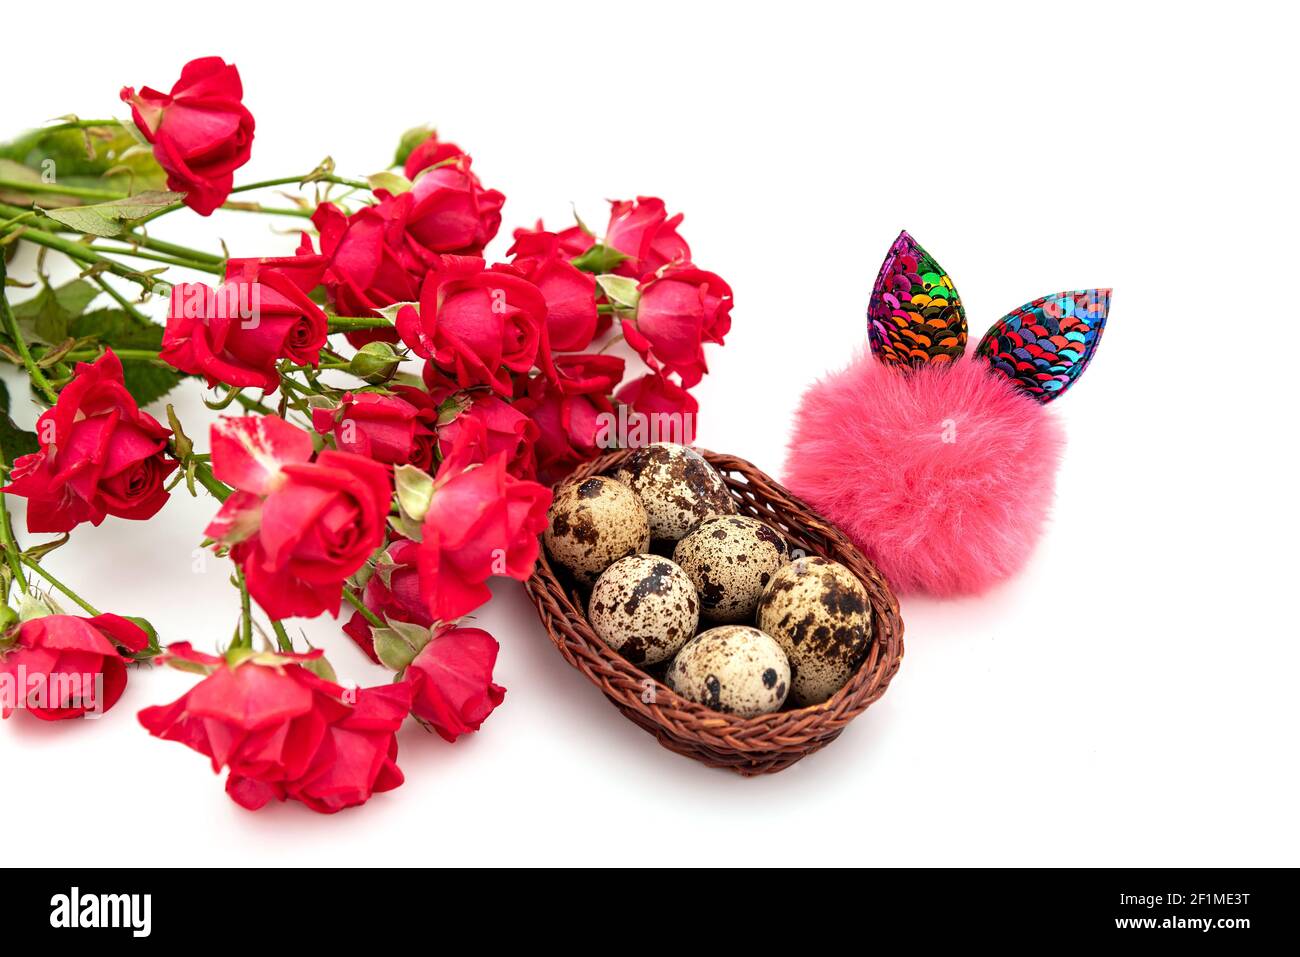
{"type": "Point", "coordinates": [1045, 345]}
{"type": "Point", "coordinates": [915, 316]}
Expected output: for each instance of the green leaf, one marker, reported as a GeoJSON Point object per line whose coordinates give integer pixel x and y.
{"type": "Point", "coordinates": [392, 649]}
{"type": "Point", "coordinates": [395, 183]}
{"type": "Point", "coordinates": [599, 258]}
{"type": "Point", "coordinates": [13, 440]}
{"type": "Point", "coordinates": [322, 669]}
{"type": "Point", "coordinates": [107, 157]}
{"type": "Point", "coordinates": [414, 491]}
{"type": "Point", "coordinates": [33, 606]}
{"type": "Point", "coordinates": [620, 290]}
{"type": "Point", "coordinates": [146, 381]}
{"type": "Point", "coordinates": [409, 141]}
{"type": "Point", "coordinates": [113, 217]}
{"type": "Point", "coordinates": [50, 312]}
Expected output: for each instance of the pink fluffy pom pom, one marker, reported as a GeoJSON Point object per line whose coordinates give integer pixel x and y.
{"type": "Point", "coordinates": [943, 475]}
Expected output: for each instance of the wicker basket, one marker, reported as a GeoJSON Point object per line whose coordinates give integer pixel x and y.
{"type": "Point", "coordinates": [748, 746]}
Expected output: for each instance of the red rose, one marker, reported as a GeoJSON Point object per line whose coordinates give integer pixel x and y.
{"type": "Point", "coordinates": [367, 263]}
{"type": "Point", "coordinates": [569, 410]}
{"type": "Point", "coordinates": [677, 313]}
{"type": "Point", "coordinates": [571, 315]}
{"type": "Point", "coordinates": [643, 232]}
{"type": "Point", "coordinates": [284, 732]}
{"type": "Point", "coordinates": [99, 455]}
{"type": "Point", "coordinates": [379, 427]}
{"type": "Point", "coordinates": [430, 153]}
{"type": "Point", "coordinates": [482, 521]}
{"type": "Point", "coordinates": [298, 527]}
{"type": "Point", "coordinates": [62, 666]}
{"type": "Point", "coordinates": [449, 211]}
{"type": "Point", "coordinates": [656, 394]}
{"type": "Point", "coordinates": [392, 593]}
{"type": "Point", "coordinates": [567, 243]}
{"type": "Point", "coordinates": [201, 132]}
{"type": "Point", "coordinates": [451, 681]}
{"type": "Point", "coordinates": [476, 324]}
{"type": "Point", "coordinates": [504, 430]}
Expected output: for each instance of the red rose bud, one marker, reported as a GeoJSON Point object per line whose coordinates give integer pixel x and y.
{"type": "Point", "coordinates": [201, 132]}
{"type": "Point", "coordinates": [284, 732]}
{"type": "Point", "coordinates": [367, 269]}
{"type": "Point", "coordinates": [375, 362]}
{"type": "Point", "coordinates": [657, 395]}
{"type": "Point", "coordinates": [297, 527]}
{"type": "Point", "coordinates": [449, 211]}
{"type": "Point", "coordinates": [571, 411]}
{"type": "Point", "coordinates": [571, 314]}
{"type": "Point", "coordinates": [566, 244]}
{"type": "Point", "coordinates": [644, 233]}
{"type": "Point", "coordinates": [504, 430]}
{"type": "Point", "coordinates": [589, 374]}
{"type": "Point", "coordinates": [392, 593]}
{"type": "Point", "coordinates": [62, 666]}
{"type": "Point", "coordinates": [451, 681]}
{"type": "Point", "coordinates": [475, 324]}
{"type": "Point", "coordinates": [235, 334]}
{"type": "Point", "coordinates": [678, 312]}
{"type": "Point", "coordinates": [430, 152]}
{"type": "Point", "coordinates": [380, 427]}
{"type": "Point", "coordinates": [99, 455]}
{"type": "Point", "coordinates": [480, 522]}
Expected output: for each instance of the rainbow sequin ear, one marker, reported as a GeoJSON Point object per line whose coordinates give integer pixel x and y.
{"type": "Point", "coordinates": [915, 316]}
{"type": "Point", "coordinates": [1044, 346]}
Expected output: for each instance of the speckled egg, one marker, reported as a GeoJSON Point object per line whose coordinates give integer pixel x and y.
{"type": "Point", "coordinates": [644, 607]}
{"type": "Point", "coordinates": [677, 487]}
{"type": "Point", "coordinates": [593, 523]}
{"type": "Point", "coordinates": [732, 668]}
{"type": "Point", "coordinates": [730, 561]}
{"type": "Point", "coordinates": [819, 613]}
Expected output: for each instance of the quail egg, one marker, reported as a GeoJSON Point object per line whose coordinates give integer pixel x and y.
{"type": "Point", "coordinates": [732, 668]}
{"type": "Point", "coordinates": [593, 523]}
{"type": "Point", "coordinates": [644, 607]}
{"type": "Point", "coordinates": [677, 487]}
{"type": "Point", "coordinates": [730, 561]}
{"type": "Point", "coordinates": [819, 613]}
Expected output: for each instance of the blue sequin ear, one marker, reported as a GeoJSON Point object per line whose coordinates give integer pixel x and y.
{"type": "Point", "coordinates": [1044, 346]}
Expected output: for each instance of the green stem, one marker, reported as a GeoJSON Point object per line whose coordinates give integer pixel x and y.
{"type": "Point", "coordinates": [345, 364]}
{"type": "Point", "coordinates": [249, 403]}
{"type": "Point", "coordinates": [266, 184]}
{"type": "Point", "coordinates": [79, 125]}
{"type": "Point", "coordinates": [268, 210]}
{"type": "Point", "coordinates": [36, 567]}
{"type": "Point", "coordinates": [213, 268]}
{"type": "Point", "coordinates": [9, 539]}
{"type": "Point", "coordinates": [139, 317]}
{"type": "Point", "coordinates": [83, 254]}
{"type": "Point", "coordinates": [219, 490]}
{"type": "Point", "coordinates": [81, 192]}
{"type": "Point", "coordinates": [351, 597]}
{"type": "Point", "coordinates": [14, 333]}
{"type": "Point", "coordinates": [281, 637]}
{"type": "Point", "coordinates": [135, 239]}
{"type": "Point", "coordinates": [139, 355]}
{"type": "Point", "coordinates": [302, 180]}
{"type": "Point", "coordinates": [246, 610]}
{"type": "Point", "coordinates": [349, 323]}
{"type": "Point", "coordinates": [171, 249]}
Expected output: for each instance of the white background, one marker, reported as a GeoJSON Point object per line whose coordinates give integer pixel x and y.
{"type": "Point", "coordinates": [1129, 699]}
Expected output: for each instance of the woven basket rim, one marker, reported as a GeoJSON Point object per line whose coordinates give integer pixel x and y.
{"type": "Point", "coordinates": [718, 730]}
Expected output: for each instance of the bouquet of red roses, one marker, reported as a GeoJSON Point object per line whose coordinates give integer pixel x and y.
{"type": "Point", "coordinates": [470, 386]}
